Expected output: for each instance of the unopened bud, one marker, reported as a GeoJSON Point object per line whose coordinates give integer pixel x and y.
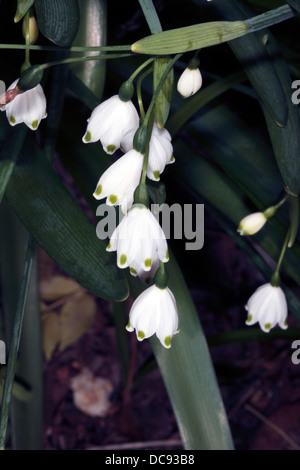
{"type": "Point", "coordinates": [33, 29]}
{"type": "Point", "coordinates": [30, 78]}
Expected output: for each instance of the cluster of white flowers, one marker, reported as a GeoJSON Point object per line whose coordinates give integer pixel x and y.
{"type": "Point", "coordinates": [138, 240]}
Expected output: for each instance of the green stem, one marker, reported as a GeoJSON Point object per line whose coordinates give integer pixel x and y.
{"type": "Point", "coordinates": [151, 16]}
{"type": "Point", "coordinates": [27, 63]}
{"type": "Point", "coordinates": [14, 347]}
{"type": "Point", "coordinates": [149, 118]}
{"type": "Point", "coordinates": [269, 18]}
{"type": "Point", "coordinates": [139, 92]}
{"type": "Point", "coordinates": [68, 49]}
{"type": "Point", "coordinates": [139, 69]}
{"type": "Point", "coordinates": [159, 86]}
{"type": "Point", "coordinates": [283, 250]}
{"type": "Point", "coordinates": [72, 60]}
{"type": "Point", "coordinates": [280, 203]}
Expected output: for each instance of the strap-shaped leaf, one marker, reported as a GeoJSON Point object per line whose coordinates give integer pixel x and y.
{"type": "Point", "coordinates": [60, 226]}
{"type": "Point", "coordinates": [270, 78]}
{"type": "Point", "coordinates": [91, 32]}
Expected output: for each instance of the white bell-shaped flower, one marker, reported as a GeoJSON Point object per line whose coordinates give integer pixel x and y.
{"type": "Point", "coordinates": [190, 81]}
{"type": "Point", "coordinates": [252, 223]}
{"type": "Point", "coordinates": [154, 311]}
{"type": "Point", "coordinates": [268, 307]}
{"type": "Point", "coordinates": [28, 107]}
{"type": "Point", "coordinates": [120, 180]}
{"type": "Point", "coordinates": [145, 276]}
{"type": "Point", "coordinates": [110, 121]}
{"type": "Point", "coordinates": [138, 240]}
{"type": "Point", "coordinates": [160, 150]}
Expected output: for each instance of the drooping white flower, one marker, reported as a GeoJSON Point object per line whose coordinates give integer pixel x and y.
{"type": "Point", "coordinates": [145, 276]}
{"type": "Point", "coordinates": [138, 240]}
{"type": "Point", "coordinates": [160, 150]}
{"type": "Point", "coordinates": [28, 107]}
{"type": "Point", "coordinates": [154, 311]}
{"type": "Point", "coordinates": [190, 81]}
{"type": "Point", "coordinates": [120, 180]}
{"type": "Point", "coordinates": [252, 223]}
{"type": "Point", "coordinates": [268, 307]}
{"type": "Point", "coordinates": [110, 121]}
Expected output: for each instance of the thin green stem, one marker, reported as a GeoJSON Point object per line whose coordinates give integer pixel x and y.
{"type": "Point", "coordinates": [283, 250]}
{"type": "Point", "coordinates": [72, 60]}
{"type": "Point", "coordinates": [68, 49]}
{"type": "Point", "coordinates": [149, 117]}
{"type": "Point", "coordinates": [27, 63]}
{"type": "Point", "coordinates": [280, 203]}
{"type": "Point", "coordinates": [159, 86]}
{"type": "Point", "coordinates": [139, 92]}
{"type": "Point", "coordinates": [139, 69]}
{"type": "Point", "coordinates": [14, 347]}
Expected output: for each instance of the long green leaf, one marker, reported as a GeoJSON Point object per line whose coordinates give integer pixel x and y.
{"type": "Point", "coordinates": [260, 57]}
{"type": "Point", "coordinates": [92, 32]}
{"type": "Point", "coordinates": [60, 226]}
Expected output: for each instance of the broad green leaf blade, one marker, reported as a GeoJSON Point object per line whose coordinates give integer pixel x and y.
{"type": "Point", "coordinates": [61, 228]}
{"type": "Point", "coordinates": [9, 154]}
{"type": "Point", "coordinates": [92, 32]}
{"type": "Point", "coordinates": [189, 376]}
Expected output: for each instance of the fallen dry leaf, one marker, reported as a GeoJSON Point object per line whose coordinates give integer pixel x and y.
{"type": "Point", "coordinates": [56, 287]}
{"type": "Point", "coordinates": [91, 393]}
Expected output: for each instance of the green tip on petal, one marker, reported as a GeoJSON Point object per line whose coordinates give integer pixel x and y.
{"type": "Point", "coordinates": [34, 124]}
{"type": "Point", "coordinates": [267, 326]}
{"type": "Point", "coordinates": [285, 323]}
{"type": "Point", "coordinates": [12, 120]}
{"type": "Point", "coordinates": [111, 148]}
{"type": "Point", "coordinates": [148, 262]}
{"type": "Point", "coordinates": [98, 190]}
{"type": "Point", "coordinates": [108, 246]}
{"type": "Point", "coordinates": [156, 174]}
{"type": "Point", "coordinates": [133, 271]}
{"type": "Point", "coordinates": [113, 198]}
{"type": "Point", "coordinates": [249, 319]}
{"type": "Point", "coordinates": [167, 341]}
{"type": "Point", "coordinates": [167, 255]}
{"type": "Point", "coordinates": [141, 335]}
{"type": "Point", "coordinates": [87, 137]}
{"type": "Point", "coordinates": [123, 259]}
